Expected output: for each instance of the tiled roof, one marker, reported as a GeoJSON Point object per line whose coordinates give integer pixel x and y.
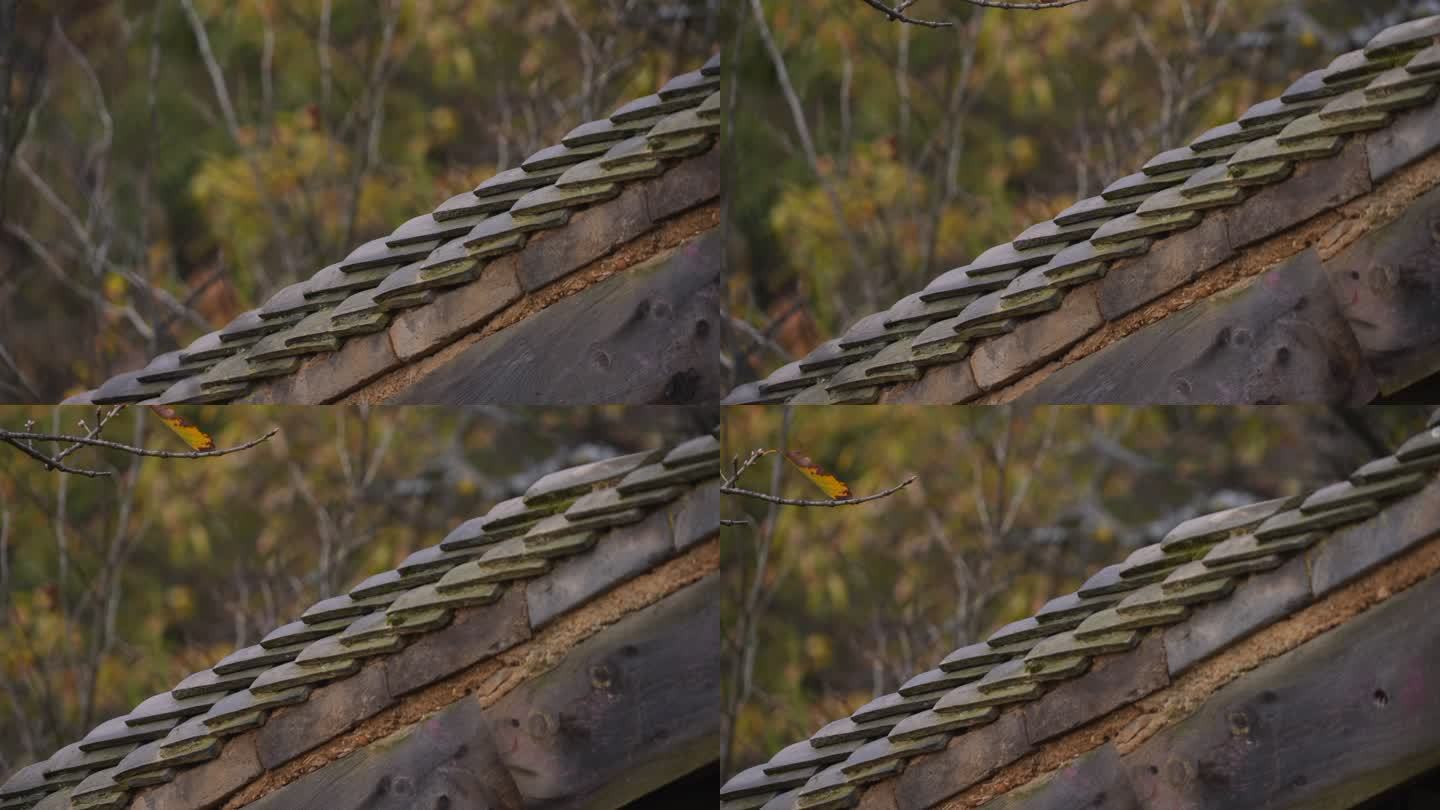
{"type": "Point", "coordinates": [1339, 531]}
{"type": "Point", "coordinates": [578, 513]}
{"type": "Point", "coordinates": [444, 249]}
{"type": "Point", "coordinates": [979, 312]}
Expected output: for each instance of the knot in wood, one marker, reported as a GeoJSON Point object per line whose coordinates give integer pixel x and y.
{"type": "Point", "coordinates": [540, 725]}
{"type": "Point", "coordinates": [1240, 724]}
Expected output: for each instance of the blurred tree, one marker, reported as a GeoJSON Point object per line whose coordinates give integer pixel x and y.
{"type": "Point", "coordinates": [825, 609]}
{"type": "Point", "coordinates": [114, 588]}
{"type": "Point", "coordinates": [891, 153]}
{"type": "Point", "coordinates": [173, 163]}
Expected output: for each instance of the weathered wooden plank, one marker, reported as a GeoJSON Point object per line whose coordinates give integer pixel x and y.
{"type": "Point", "coordinates": [646, 335]}
{"type": "Point", "coordinates": [1094, 781]}
{"type": "Point", "coordinates": [1388, 287]}
{"type": "Point", "coordinates": [208, 784]}
{"type": "Point", "coordinates": [471, 636]}
{"type": "Point", "coordinates": [578, 579]}
{"type": "Point", "coordinates": [969, 757]}
{"type": "Point", "coordinates": [1256, 602]}
{"type": "Point", "coordinates": [1360, 547]}
{"type": "Point", "coordinates": [1280, 338]}
{"type": "Point", "coordinates": [447, 762]}
{"type": "Point", "coordinates": [1315, 187]}
{"type": "Point", "coordinates": [1113, 681]}
{"type": "Point", "coordinates": [1325, 725]}
{"type": "Point", "coordinates": [1414, 134]}
{"type": "Point", "coordinates": [630, 709]}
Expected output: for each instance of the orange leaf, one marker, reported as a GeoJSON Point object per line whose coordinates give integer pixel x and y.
{"type": "Point", "coordinates": [193, 436]}
{"type": "Point", "coordinates": [819, 476]}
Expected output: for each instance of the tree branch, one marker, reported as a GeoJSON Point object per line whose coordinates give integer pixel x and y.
{"type": "Point", "coordinates": [1023, 6]}
{"type": "Point", "coordinates": [22, 440]}
{"type": "Point", "coordinates": [763, 496]}
{"type": "Point", "coordinates": [897, 13]}
{"type": "Point", "coordinates": [727, 487]}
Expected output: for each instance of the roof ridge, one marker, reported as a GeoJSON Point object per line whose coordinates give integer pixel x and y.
{"type": "Point", "coordinates": [429, 253]}
{"type": "Point", "coordinates": [1017, 281]}
{"type": "Point", "coordinates": [1200, 560]}
{"type": "Point", "coordinates": [562, 514]}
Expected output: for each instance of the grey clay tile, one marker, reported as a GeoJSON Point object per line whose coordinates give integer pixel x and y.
{"type": "Point", "coordinates": [1140, 183]}
{"type": "Point", "coordinates": [119, 732]}
{"type": "Point", "coordinates": [1245, 547]}
{"type": "Point", "coordinates": [1402, 37]}
{"type": "Point", "coordinates": [803, 755]}
{"type": "Point", "coordinates": [1345, 493]}
{"type": "Point", "coordinates": [937, 679]}
{"type": "Point", "coordinates": [755, 780]}
{"type": "Point", "coordinates": [925, 724]}
{"type": "Point", "coordinates": [1216, 526]}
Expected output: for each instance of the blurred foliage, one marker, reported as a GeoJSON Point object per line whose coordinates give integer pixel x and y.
{"type": "Point", "coordinates": [935, 144]}
{"type": "Point", "coordinates": [113, 589]}
{"type": "Point", "coordinates": [1012, 507]}
{"type": "Point", "coordinates": [135, 217]}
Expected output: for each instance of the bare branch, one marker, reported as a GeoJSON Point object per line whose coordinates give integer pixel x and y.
{"type": "Point", "coordinates": [763, 496]}
{"type": "Point", "coordinates": [1023, 6]}
{"type": "Point", "coordinates": [727, 486]}
{"type": "Point", "coordinates": [50, 463]}
{"type": "Point", "coordinates": [897, 13]}
{"type": "Point", "coordinates": [745, 641]}
{"type": "Point", "coordinates": [23, 441]}
{"type": "Point", "coordinates": [802, 129]}
{"type": "Point", "coordinates": [232, 125]}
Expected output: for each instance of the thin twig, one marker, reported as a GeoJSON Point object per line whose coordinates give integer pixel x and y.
{"type": "Point", "coordinates": [897, 13]}
{"type": "Point", "coordinates": [139, 451]}
{"type": "Point", "coordinates": [232, 126]}
{"type": "Point", "coordinates": [750, 493]}
{"type": "Point", "coordinates": [802, 129]}
{"type": "Point", "coordinates": [22, 441]}
{"type": "Point", "coordinates": [1023, 6]}
{"type": "Point", "coordinates": [50, 463]}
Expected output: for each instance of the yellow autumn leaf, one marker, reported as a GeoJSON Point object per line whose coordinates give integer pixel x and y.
{"type": "Point", "coordinates": [182, 427]}
{"type": "Point", "coordinates": [115, 286]}
{"type": "Point", "coordinates": [819, 476]}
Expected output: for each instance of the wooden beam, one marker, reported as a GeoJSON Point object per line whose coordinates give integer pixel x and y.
{"type": "Point", "coordinates": [1280, 337]}
{"type": "Point", "coordinates": [628, 710]}
{"type": "Point", "coordinates": [1327, 725]}
{"type": "Point", "coordinates": [447, 762]}
{"type": "Point", "coordinates": [647, 334]}
{"type": "Point", "coordinates": [1388, 286]}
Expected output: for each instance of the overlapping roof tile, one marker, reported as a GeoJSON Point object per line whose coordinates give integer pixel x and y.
{"type": "Point", "coordinates": [1200, 561]}
{"type": "Point", "coordinates": [431, 252]}
{"type": "Point", "coordinates": [562, 515]}
{"type": "Point", "coordinates": [1003, 287]}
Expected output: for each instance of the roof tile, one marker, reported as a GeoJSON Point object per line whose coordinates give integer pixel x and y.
{"type": "Point", "coordinates": [1202, 561]}
{"type": "Point", "coordinates": [1245, 547]}
{"type": "Point", "coordinates": [1097, 207]}
{"type": "Point", "coordinates": [638, 141]}
{"type": "Point", "coordinates": [1216, 526]}
{"type": "Point", "coordinates": [803, 755]}
{"type": "Point", "coordinates": [117, 732]}
{"type": "Point", "coordinates": [922, 725]}
{"type": "Point", "coordinates": [1406, 36]}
